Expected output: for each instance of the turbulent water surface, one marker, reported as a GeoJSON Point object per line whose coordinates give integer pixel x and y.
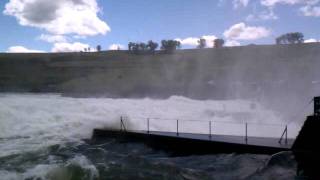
{"type": "Point", "coordinates": [43, 137]}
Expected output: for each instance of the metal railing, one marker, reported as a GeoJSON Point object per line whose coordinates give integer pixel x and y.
{"type": "Point", "coordinates": [246, 137]}
{"type": "Point", "coordinates": [122, 125]}
{"type": "Point", "coordinates": [284, 135]}
{"type": "Point", "coordinates": [285, 132]}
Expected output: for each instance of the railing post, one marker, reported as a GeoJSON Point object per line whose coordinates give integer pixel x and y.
{"type": "Point", "coordinates": [122, 126]}
{"type": "Point", "coordinates": [286, 141]}
{"type": "Point", "coordinates": [285, 133]}
{"type": "Point", "coordinates": [246, 138]}
{"type": "Point", "coordinates": [210, 130]}
{"type": "Point", "coordinates": [177, 127]}
{"type": "Point", "coordinates": [120, 123]}
{"type": "Point", "coordinates": [148, 124]}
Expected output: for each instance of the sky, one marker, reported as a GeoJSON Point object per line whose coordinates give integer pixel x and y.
{"type": "Point", "coordinates": [72, 25]}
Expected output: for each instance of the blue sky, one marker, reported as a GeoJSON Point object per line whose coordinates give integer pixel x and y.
{"type": "Point", "coordinates": [71, 25]}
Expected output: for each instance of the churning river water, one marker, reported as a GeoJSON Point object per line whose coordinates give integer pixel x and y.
{"type": "Point", "coordinates": [43, 136]}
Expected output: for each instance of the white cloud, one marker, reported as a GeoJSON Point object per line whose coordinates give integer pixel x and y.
{"type": "Point", "coordinates": [310, 11]}
{"type": "Point", "coordinates": [69, 47]}
{"type": "Point", "coordinates": [288, 2]}
{"type": "Point", "coordinates": [232, 43]}
{"type": "Point", "coordinates": [52, 38]}
{"type": "Point", "coordinates": [21, 49]}
{"type": "Point", "coordinates": [79, 37]}
{"type": "Point", "coordinates": [311, 40]}
{"type": "Point", "coordinates": [193, 41]}
{"type": "Point", "coordinates": [264, 15]}
{"type": "Point", "coordinates": [274, 2]}
{"type": "Point", "coordinates": [116, 47]}
{"type": "Point", "coordinates": [241, 31]}
{"type": "Point", "coordinates": [308, 8]}
{"type": "Point", "coordinates": [240, 3]}
{"type": "Point", "coordinates": [59, 17]}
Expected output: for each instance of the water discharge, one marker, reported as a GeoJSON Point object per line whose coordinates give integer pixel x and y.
{"type": "Point", "coordinates": [30, 121]}
{"type": "Point", "coordinates": [41, 137]}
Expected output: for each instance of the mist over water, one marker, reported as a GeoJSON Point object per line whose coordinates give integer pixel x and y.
{"type": "Point", "coordinates": [41, 136]}
{"type": "Point", "coordinates": [29, 121]}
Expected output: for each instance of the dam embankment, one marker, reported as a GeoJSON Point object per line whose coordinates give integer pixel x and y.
{"type": "Point", "coordinates": [278, 75]}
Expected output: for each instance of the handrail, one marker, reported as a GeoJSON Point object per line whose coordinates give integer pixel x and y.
{"type": "Point", "coordinates": [218, 121]}
{"type": "Point", "coordinates": [246, 137]}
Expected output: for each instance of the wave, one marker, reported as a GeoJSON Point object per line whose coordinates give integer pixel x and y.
{"type": "Point", "coordinates": [32, 121]}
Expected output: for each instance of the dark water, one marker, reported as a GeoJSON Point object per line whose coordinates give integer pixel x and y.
{"type": "Point", "coordinates": [39, 140]}
{"type": "Point", "coordinates": [111, 159]}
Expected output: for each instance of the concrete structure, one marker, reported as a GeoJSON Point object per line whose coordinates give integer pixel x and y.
{"type": "Point", "coordinates": [193, 144]}
{"type": "Point", "coordinates": [305, 147]}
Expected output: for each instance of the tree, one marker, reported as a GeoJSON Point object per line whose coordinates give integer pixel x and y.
{"type": "Point", "coordinates": [142, 47]}
{"type": "Point", "coordinates": [130, 46]}
{"type": "Point", "coordinates": [98, 48]}
{"type": "Point", "coordinates": [135, 48]}
{"type": "Point", "coordinates": [290, 38]}
{"type": "Point", "coordinates": [152, 46]}
{"type": "Point", "coordinates": [202, 43]}
{"type": "Point", "coordinates": [218, 43]}
{"type": "Point", "coordinates": [170, 45]}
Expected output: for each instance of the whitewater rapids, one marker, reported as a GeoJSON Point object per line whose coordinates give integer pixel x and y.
{"type": "Point", "coordinates": [36, 129]}
{"type": "Point", "coordinates": [29, 121]}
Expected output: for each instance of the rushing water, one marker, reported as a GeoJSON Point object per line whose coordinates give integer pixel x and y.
{"type": "Point", "coordinates": [42, 137]}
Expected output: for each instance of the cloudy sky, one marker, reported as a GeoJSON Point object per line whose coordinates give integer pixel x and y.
{"type": "Point", "coordinates": [72, 25]}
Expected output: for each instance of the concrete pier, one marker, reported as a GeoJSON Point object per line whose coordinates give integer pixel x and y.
{"type": "Point", "coordinates": [190, 144]}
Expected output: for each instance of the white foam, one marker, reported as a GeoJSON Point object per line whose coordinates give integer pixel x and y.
{"type": "Point", "coordinates": [85, 164]}
{"type": "Point", "coordinates": [29, 121]}
{"type": "Point", "coordinates": [53, 170]}
{"type": "Point", "coordinates": [10, 175]}
{"type": "Point", "coordinates": [39, 171]}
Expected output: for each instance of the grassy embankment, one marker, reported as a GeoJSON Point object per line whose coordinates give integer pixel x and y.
{"type": "Point", "coordinates": [199, 73]}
